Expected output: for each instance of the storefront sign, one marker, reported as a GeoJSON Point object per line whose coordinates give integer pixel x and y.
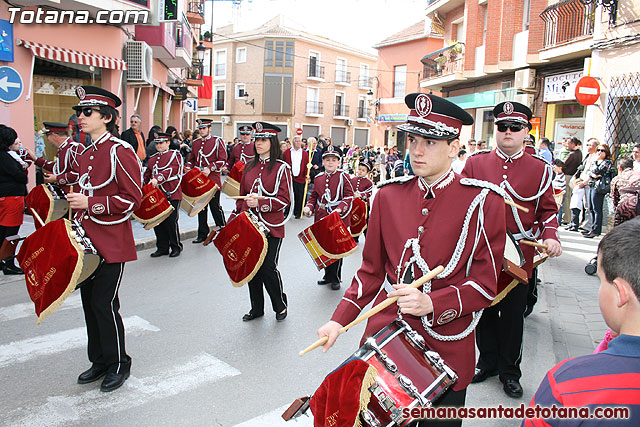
{"type": "Point", "coordinates": [561, 87]}
{"type": "Point", "coordinates": [568, 129]}
{"type": "Point", "coordinates": [47, 85]}
{"type": "Point", "coordinates": [392, 118]}
{"type": "Point", "coordinates": [6, 41]}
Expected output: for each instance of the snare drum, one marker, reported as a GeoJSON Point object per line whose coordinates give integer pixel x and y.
{"type": "Point", "coordinates": [91, 260]}
{"type": "Point", "coordinates": [49, 202]}
{"type": "Point", "coordinates": [197, 191]}
{"type": "Point", "coordinates": [512, 265]}
{"type": "Point", "coordinates": [327, 241]}
{"type": "Point", "coordinates": [408, 375]}
{"type": "Point", "coordinates": [231, 185]}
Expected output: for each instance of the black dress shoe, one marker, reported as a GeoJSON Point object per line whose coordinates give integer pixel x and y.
{"type": "Point", "coordinates": [159, 253]}
{"type": "Point", "coordinates": [10, 269]}
{"type": "Point", "coordinates": [92, 374]}
{"type": "Point", "coordinates": [482, 374]}
{"type": "Point", "coordinates": [198, 240]}
{"type": "Point", "coordinates": [323, 282]}
{"type": "Point", "coordinates": [512, 388]}
{"type": "Point", "coordinates": [591, 235]}
{"type": "Point", "coordinates": [175, 252]}
{"type": "Point", "coordinates": [281, 316]}
{"type": "Point", "coordinates": [250, 316]}
{"type": "Point", "coordinates": [113, 381]}
{"type": "Point", "coordinates": [335, 286]}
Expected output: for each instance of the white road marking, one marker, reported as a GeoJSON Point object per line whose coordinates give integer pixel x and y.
{"type": "Point", "coordinates": [93, 404]}
{"type": "Point", "coordinates": [21, 351]}
{"type": "Point", "coordinates": [274, 419]}
{"type": "Point", "coordinates": [19, 311]}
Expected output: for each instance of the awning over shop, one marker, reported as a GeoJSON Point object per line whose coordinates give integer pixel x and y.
{"type": "Point", "coordinates": [73, 56]}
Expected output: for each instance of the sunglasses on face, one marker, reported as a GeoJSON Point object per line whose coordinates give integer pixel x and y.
{"type": "Point", "coordinates": [513, 127]}
{"type": "Point", "coordinates": [602, 150]}
{"type": "Point", "coordinates": [86, 111]}
{"type": "Point", "coordinates": [473, 145]}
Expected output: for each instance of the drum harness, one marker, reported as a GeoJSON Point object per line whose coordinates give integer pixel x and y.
{"type": "Point", "coordinates": [263, 192]}
{"type": "Point", "coordinates": [330, 204]}
{"type": "Point", "coordinates": [201, 155]}
{"type": "Point", "coordinates": [56, 167]}
{"type": "Point", "coordinates": [157, 169]}
{"type": "Point", "coordinates": [85, 185]}
{"type": "Point", "coordinates": [416, 258]}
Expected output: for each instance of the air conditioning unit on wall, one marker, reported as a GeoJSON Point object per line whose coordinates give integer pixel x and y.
{"type": "Point", "coordinates": [526, 99]}
{"type": "Point", "coordinates": [226, 120]}
{"type": "Point", "coordinates": [525, 79]}
{"type": "Point", "coordinates": [139, 58]}
{"type": "Point", "coordinates": [349, 122]}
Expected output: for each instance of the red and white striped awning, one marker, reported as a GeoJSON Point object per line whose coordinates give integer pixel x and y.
{"type": "Point", "coordinates": [73, 56]}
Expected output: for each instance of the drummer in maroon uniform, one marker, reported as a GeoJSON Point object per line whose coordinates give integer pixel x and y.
{"type": "Point", "coordinates": [527, 180]}
{"type": "Point", "coordinates": [363, 187]}
{"type": "Point", "coordinates": [243, 150]}
{"type": "Point", "coordinates": [268, 176]}
{"type": "Point", "coordinates": [110, 190]}
{"type": "Point", "coordinates": [209, 154]}
{"type": "Point", "coordinates": [332, 191]}
{"type": "Point", "coordinates": [164, 171]}
{"type": "Point", "coordinates": [62, 168]}
{"type": "Point", "coordinates": [444, 220]}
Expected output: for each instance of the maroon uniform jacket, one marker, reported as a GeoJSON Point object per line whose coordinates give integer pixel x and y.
{"type": "Point", "coordinates": [449, 224]}
{"type": "Point", "coordinates": [331, 192]}
{"type": "Point", "coordinates": [241, 152]}
{"type": "Point", "coordinates": [66, 164]}
{"type": "Point", "coordinates": [276, 186]}
{"type": "Point", "coordinates": [209, 153]}
{"type": "Point", "coordinates": [111, 177]}
{"type": "Point", "coordinates": [364, 186]}
{"type": "Point", "coordinates": [527, 179]}
{"type": "Point", "coordinates": [302, 175]}
{"type": "Point", "coordinates": [166, 168]}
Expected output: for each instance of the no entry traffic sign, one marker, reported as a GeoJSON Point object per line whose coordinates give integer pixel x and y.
{"type": "Point", "coordinates": [298, 131]}
{"type": "Point", "coordinates": [587, 90]}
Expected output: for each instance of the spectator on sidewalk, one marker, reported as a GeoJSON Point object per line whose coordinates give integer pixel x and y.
{"type": "Point", "coordinates": [458, 164]}
{"type": "Point", "coordinates": [472, 146]}
{"type": "Point", "coordinates": [608, 378]}
{"type": "Point", "coordinates": [571, 164]}
{"type": "Point", "coordinates": [151, 145]}
{"type": "Point", "coordinates": [600, 175]}
{"type": "Point", "coordinates": [636, 157]}
{"type": "Point", "coordinates": [545, 152]}
{"type": "Point", "coordinates": [185, 145]}
{"type": "Point", "coordinates": [135, 137]}
{"type": "Point", "coordinates": [625, 192]}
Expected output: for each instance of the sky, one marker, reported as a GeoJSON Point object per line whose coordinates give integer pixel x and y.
{"type": "Point", "coordinates": [356, 23]}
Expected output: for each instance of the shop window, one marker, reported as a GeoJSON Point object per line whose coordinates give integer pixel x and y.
{"type": "Point", "coordinates": [569, 111]}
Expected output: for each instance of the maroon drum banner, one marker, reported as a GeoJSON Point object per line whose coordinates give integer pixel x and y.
{"type": "Point", "coordinates": [48, 203]}
{"type": "Point", "coordinates": [197, 191]}
{"type": "Point", "coordinates": [52, 262]}
{"type": "Point", "coordinates": [243, 247]}
{"type": "Point", "coordinates": [231, 185]}
{"type": "Point", "coordinates": [359, 216]}
{"type": "Point", "coordinates": [328, 240]}
{"type": "Point", "coordinates": [154, 207]}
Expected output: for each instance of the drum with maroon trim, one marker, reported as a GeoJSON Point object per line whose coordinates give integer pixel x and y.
{"type": "Point", "coordinates": [231, 185]}
{"type": "Point", "coordinates": [154, 207]}
{"type": "Point", "coordinates": [49, 202]}
{"type": "Point", "coordinates": [327, 240]}
{"type": "Point", "coordinates": [197, 191]}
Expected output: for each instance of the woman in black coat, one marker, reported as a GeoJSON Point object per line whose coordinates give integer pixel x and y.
{"type": "Point", "coordinates": [13, 188]}
{"type": "Point", "coordinates": [600, 174]}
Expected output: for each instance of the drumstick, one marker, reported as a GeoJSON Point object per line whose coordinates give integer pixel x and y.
{"type": "Point", "coordinates": [36, 216]}
{"type": "Point", "coordinates": [517, 206]}
{"type": "Point", "coordinates": [70, 210]}
{"type": "Point", "coordinates": [384, 304]}
{"type": "Point", "coordinates": [246, 197]}
{"type": "Point", "coordinates": [534, 244]}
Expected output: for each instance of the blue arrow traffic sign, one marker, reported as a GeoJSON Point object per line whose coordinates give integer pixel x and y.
{"type": "Point", "coordinates": [10, 85]}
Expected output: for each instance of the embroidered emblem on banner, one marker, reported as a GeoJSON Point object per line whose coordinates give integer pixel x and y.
{"type": "Point", "coordinates": [423, 105]}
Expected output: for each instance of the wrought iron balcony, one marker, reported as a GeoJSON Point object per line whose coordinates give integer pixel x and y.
{"type": "Point", "coordinates": [314, 107]}
{"type": "Point", "coordinates": [442, 62]}
{"type": "Point", "coordinates": [362, 112]}
{"type": "Point", "coordinates": [340, 110]}
{"type": "Point", "coordinates": [195, 12]}
{"type": "Point", "coordinates": [315, 70]}
{"type": "Point", "coordinates": [566, 21]}
{"type": "Point", "coordinates": [343, 77]}
{"type": "Point", "coordinates": [364, 82]}
{"type": "Point", "coordinates": [193, 75]}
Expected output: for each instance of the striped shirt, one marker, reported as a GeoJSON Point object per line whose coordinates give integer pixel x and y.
{"type": "Point", "coordinates": [607, 379]}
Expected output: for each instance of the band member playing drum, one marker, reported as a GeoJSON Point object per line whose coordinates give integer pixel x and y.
{"type": "Point", "coordinates": [208, 154]}
{"type": "Point", "coordinates": [362, 186]}
{"type": "Point", "coordinates": [164, 171]}
{"type": "Point", "coordinates": [332, 191]}
{"type": "Point", "coordinates": [444, 221]}
{"type": "Point", "coordinates": [243, 150]}
{"type": "Point", "coordinates": [64, 168]}
{"type": "Point", "coordinates": [268, 177]}
{"type": "Point", "coordinates": [527, 179]}
{"type": "Point", "coordinates": [110, 190]}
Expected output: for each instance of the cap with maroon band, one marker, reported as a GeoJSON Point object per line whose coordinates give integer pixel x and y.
{"type": "Point", "coordinates": [203, 123]}
{"type": "Point", "coordinates": [245, 130]}
{"type": "Point", "coordinates": [55, 127]}
{"type": "Point", "coordinates": [434, 117]}
{"type": "Point", "coordinates": [331, 151]}
{"type": "Point", "coordinates": [510, 111]}
{"type": "Point", "coordinates": [92, 96]}
{"type": "Point", "coordinates": [265, 130]}
{"type": "Point", "coordinates": [161, 137]}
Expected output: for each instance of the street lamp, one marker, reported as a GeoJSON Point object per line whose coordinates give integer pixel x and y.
{"type": "Point", "coordinates": [200, 49]}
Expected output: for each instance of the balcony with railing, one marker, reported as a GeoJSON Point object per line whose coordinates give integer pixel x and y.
{"type": "Point", "coordinates": [315, 71]}
{"type": "Point", "coordinates": [442, 66]}
{"type": "Point", "coordinates": [362, 112]}
{"type": "Point", "coordinates": [340, 111]}
{"type": "Point", "coordinates": [314, 108]}
{"type": "Point", "coordinates": [568, 28]}
{"type": "Point", "coordinates": [343, 78]}
{"type": "Point", "coordinates": [192, 75]}
{"type": "Point", "coordinates": [195, 12]}
{"type": "Point", "coordinates": [184, 48]}
{"type": "Point", "coordinates": [364, 82]}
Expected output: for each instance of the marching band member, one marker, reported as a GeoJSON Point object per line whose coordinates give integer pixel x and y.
{"type": "Point", "coordinates": [110, 190]}
{"type": "Point", "coordinates": [332, 191]}
{"type": "Point", "coordinates": [268, 176]}
{"type": "Point", "coordinates": [164, 171]}
{"type": "Point", "coordinates": [209, 154]}
{"type": "Point", "coordinates": [527, 179]}
{"type": "Point", "coordinates": [64, 167]}
{"type": "Point", "coordinates": [243, 151]}
{"type": "Point", "coordinates": [363, 187]}
{"type": "Point", "coordinates": [445, 221]}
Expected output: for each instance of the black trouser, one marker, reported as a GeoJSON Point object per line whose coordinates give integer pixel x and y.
{"type": "Point", "coordinates": [268, 276]}
{"type": "Point", "coordinates": [499, 335]}
{"type": "Point", "coordinates": [575, 217]}
{"type": "Point", "coordinates": [105, 329]}
{"type": "Point", "coordinates": [532, 292]}
{"type": "Point", "coordinates": [298, 193]}
{"type": "Point", "coordinates": [596, 203]}
{"type": "Point", "coordinates": [8, 231]}
{"type": "Point", "coordinates": [167, 232]}
{"type": "Point", "coordinates": [216, 212]}
{"type": "Point", "coordinates": [333, 273]}
{"type": "Point", "coordinates": [450, 399]}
